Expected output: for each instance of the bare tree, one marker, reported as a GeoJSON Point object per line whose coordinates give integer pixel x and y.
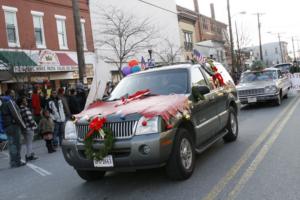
{"type": "Point", "coordinates": [124, 35]}
{"type": "Point", "coordinates": [243, 40]}
{"type": "Point", "coordinates": [170, 53]}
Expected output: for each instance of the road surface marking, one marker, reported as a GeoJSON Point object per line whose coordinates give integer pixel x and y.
{"type": "Point", "coordinates": [35, 168]}
{"type": "Point", "coordinates": [260, 156]}
{"type": "Point", "coordinates": [218, 188]}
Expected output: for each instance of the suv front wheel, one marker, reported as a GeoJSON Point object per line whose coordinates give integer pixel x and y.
{"type": "Point", "coordinates": [232, 127]}
{"type": "Point", "coordinates": [182, 160]}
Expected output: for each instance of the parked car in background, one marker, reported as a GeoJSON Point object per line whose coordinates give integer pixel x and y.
{"type": "Point", "coordinates": [262, 86]}
{"type": "Point", "coordinates": [284, 67]}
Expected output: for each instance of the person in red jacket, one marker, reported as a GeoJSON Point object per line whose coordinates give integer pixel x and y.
{"type": "Point", "coordinates": [36, 105]}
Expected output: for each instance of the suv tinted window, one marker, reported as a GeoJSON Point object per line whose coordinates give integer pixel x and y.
{"type": "Point", "coordinates": [159, 82]}
{"type": "Point", "coordinates": [197, 77]}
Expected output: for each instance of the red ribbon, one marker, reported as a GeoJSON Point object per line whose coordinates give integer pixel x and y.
{"type": "Point", "coordinates": [135, 96]}
{"type": "Point", "coordinates": [218, 76]}
{"type": "Point", "coordinates": [95, 125]}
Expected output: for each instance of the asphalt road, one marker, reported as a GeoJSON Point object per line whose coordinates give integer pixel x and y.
{"type": "Point", "coordinates": [264, 163]}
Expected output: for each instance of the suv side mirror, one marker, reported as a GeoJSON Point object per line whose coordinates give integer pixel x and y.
{"type": "Point", "coordinates": [199, 91]}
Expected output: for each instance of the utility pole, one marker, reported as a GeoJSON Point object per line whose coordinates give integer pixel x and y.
{"type": "Point", "coordinates": [259, 35]}
{"type": "Point", "coordinates": [280, 47]}
{"type": "Point", "coordinates": [238, 47]}
{"type": "Point", "coordinates": [79, 40]}
{"type": "Point", "coordinates": [294, 49]}
{"type": "Point", "coordinates": [231, 39]}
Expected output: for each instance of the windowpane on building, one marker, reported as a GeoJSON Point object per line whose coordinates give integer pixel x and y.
{"type": "Point", "coordinates": [38, 30]}
{"type": "Point", "coordinates": [188, 41]}
{"type": "Point", "coordinates": [11, 27]}
{"type": "Point", "coordinates": [61, 32]}
{"type": "Point", "coordinates": [11, 33]}
{"type": "Point", "coordinates": [83, 35]}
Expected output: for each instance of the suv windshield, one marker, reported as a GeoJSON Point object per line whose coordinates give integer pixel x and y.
{"type": "Point", "coordinates": [159, 82]}
{"type": "Point", "coordinates": [258, 76]}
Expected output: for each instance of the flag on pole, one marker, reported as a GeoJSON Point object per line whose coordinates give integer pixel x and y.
{"type": "Point", "coordinates": [198, 56]}
{"type": "Point", "coordinates": [143, 63]}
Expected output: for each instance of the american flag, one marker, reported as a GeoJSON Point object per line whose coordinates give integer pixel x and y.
{"type": "Point", "coordinates": [143, 63]}
{"type": "Point", "coordinates": [199, 57]}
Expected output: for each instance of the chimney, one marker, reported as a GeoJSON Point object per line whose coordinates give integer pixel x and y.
{"type": "Point", "coordinates": [196, 6]}
{"type": "Point", "coordinates": [212, 10]}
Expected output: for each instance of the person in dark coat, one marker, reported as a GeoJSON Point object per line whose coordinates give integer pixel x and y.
{"type": "Point", "coordinates": [74, 103]}
{"type": "Point", "coordinates": [12, 123]}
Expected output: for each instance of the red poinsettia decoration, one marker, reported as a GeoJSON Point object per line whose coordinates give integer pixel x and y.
{"type": "Point", "coordinates": [95, 126]}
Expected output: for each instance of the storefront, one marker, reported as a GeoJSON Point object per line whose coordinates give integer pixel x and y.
{"type": "Point", "coordinates": [53, 70]}
{"type": "Point", "coordinates": [12, 61]}
{"type": "Point", "coordinates": [45, 69]}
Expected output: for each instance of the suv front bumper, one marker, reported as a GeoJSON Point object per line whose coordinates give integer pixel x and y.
{"type": "Point", "coordinates": [127, 154]}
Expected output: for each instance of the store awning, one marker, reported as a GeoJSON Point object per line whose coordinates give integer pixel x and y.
{"type": "Point", "coordinates": [3, 66]}
{"type": "Point", "coordinates": [4, 72]}
{"type": "Point", "coordinates": [65, 60]}
{"type": "Point", "coordinates": [15, 58]}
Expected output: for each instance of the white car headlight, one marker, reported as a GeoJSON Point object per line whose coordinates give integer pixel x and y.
{"type": "Point", "coordinates": [271, 89]}
{"type": "Point", "coordinates": [147, 126]}
{"type": "Point", "coordinates": [70, 131]}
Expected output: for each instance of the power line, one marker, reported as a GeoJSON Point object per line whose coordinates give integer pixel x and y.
{"type": "Point", "coordinates": [156, 6]}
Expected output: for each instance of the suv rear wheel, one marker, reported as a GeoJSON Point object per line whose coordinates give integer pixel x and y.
{"type": "Point", "coordinates": [182, 160]}
{"type": "Point", "coordinates": [232, 127]}
{"type": "Point", "coordinates": [91, 175]}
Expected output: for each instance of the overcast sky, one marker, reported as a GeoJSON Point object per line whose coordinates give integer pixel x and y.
{"type": "Point", "coordinates": [280, 16]}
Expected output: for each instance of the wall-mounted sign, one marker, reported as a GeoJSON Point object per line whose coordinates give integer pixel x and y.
{"type": "Point", "coordinates": [48, 57]}
{"type": "Point", "coordinates": [48, 61]}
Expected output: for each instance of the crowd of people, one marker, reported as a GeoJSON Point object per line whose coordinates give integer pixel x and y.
{"type": "Point", "coordinates": [37, 113]}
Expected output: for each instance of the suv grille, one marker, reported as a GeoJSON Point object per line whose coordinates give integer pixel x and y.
{"type": "Point", "coordinates": [251, 92]}
{"type": "Point", "coordinates": [121, 130]}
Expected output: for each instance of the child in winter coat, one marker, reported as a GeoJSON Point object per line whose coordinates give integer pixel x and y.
{"type": "Point", "coordinates": [46, 126]}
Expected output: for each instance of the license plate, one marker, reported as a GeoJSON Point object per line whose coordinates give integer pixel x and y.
{"type": "Point", "coordinates": [105, 162]}
{"type": "Point", "coordinates": [252, 100]}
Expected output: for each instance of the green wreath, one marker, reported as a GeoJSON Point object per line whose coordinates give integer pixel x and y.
{"type": "Point", "coordinates": [99, 154]}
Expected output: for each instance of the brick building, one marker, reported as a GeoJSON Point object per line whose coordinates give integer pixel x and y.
{"type": "Point", "coordinates": [37, 42]}
{"type": "Point", "coordinates": [203, 33]}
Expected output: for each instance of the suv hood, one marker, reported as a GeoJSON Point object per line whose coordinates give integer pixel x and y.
{"type": "Point", "coordinates": [255, 85]}
{"type": "Point", "coordinates": [165, 106]}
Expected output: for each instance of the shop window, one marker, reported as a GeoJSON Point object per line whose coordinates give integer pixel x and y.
{"type": "Point", "coordinates": [61, 31]}
{"type": "Point", "coordinates": [12, 31]}
{"type": "Point", "coordinates": [83, 34]}
{"type": "Point", "coordinates": [38, 29]}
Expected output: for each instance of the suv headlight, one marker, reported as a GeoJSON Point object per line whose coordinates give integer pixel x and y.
{"type": "Point", "coordinates": [271, 89]}
{"type": "Point", "coordinates": [147, 126]}
{"type": "Point", "coordinates": [70, 131]}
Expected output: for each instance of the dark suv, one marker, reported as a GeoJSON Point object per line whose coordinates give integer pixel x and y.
{"type": "Point", "coordinates": [210, 114]}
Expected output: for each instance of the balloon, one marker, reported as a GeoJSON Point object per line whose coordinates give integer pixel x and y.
{"type": "Point", "coordinates": [135, 69]}
{"type": "Point", "coordinates": [126, 70]}
{"type": "Point", "coordinates": [133, 63]}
